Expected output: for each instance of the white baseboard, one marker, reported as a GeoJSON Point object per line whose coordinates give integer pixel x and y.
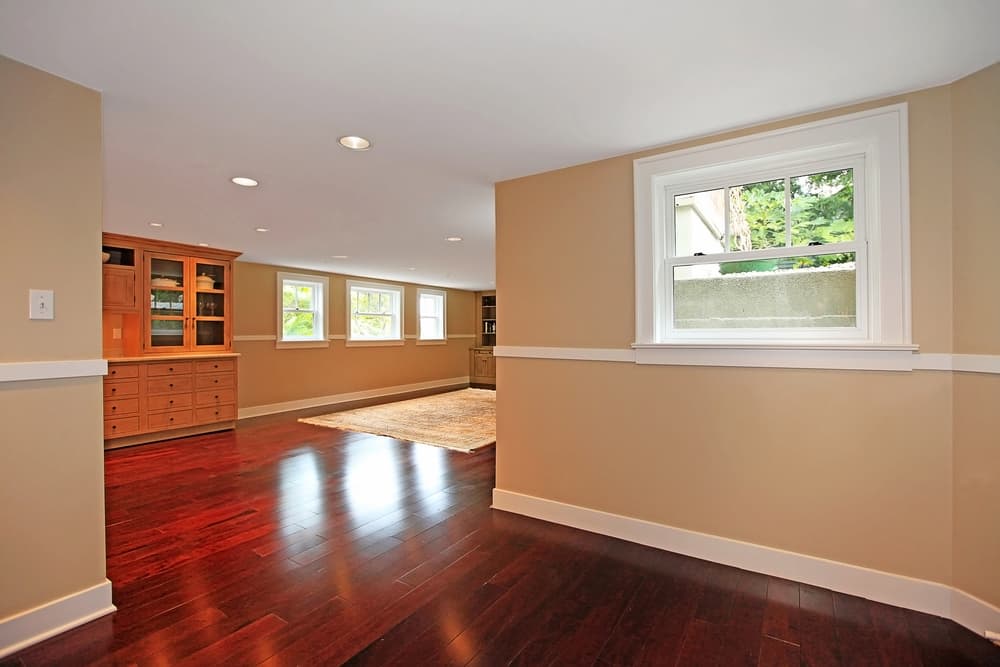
{"type": "Point", "coordinates": [336, 399]}
{"type": "Point", "coordinates": [30, 627]}
{"type": "Point", "coordinates": [898, 590]}
{"type": "Point", "coordinates": [975, 614]}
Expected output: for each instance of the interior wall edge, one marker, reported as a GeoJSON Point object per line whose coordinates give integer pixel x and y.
{"type": "Point", "coordinates": [921, 595]}
{"type": "Point", "coordinates": [29, 627]}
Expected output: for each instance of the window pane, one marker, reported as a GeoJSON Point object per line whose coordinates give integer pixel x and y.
{"type": "Point", "coordinates": [430, 305]}
{"type": "Point", "coordinates": [298, 325]}
{"type": "Point", "coordinates": [166, 333]}
{"type": "Point", "coordinates": [700, 223]}
{"type": "Point", "coordinates": [372, 327]}
{"type": "Point", "coordinates": [287, 295]}
{"type": "Point", "coordinates": [304, 297]}
{"type": "Point", "coordinates": [757, 215]}
{"type": "Point", "coordinates": [807, 291]}
{"type": "Point", "coordinates": [430, 327]}
{"type": "Point", "coordinates": [823, 207]}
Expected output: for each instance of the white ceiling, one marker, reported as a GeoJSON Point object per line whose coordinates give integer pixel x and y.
{"type": "Point", "coordinates": [456, 94]}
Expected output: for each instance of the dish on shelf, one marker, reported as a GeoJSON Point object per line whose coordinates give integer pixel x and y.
{"type": "Point", "coordinates": [205, 281]}
{"type": "Point", "coordinates": [163, 282]}
{"type": "Point", "coordinates": [105, 257]}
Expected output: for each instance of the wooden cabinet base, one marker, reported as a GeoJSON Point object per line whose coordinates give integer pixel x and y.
{"type": "Point", "coordinates": [142, 439]}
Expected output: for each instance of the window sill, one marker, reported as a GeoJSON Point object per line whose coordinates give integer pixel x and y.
{"type": "Point", "coordinates": [293, 344]}
{"type": "Point", "coordinates": [842, 356]}
{"type": "Point", "coordinates": [433, 341]}
{"type": "Point", "coordinates": [374, 343]}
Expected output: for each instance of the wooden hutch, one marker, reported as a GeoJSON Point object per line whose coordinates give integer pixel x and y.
{"type": "Point", "coordinates": [167, 336]}
{"type": "Point", "coordinates": [483, 368]}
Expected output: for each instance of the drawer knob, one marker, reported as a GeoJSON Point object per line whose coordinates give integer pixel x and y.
{"type": "Point", "coordinates": [171, 401]}
{"type": "Point", "coordinates": [114, 389]}
{"type": "Point", "coordinates": [216, 366]}
{"type": "Point", "coordinates": [216, 413]}
{"type": "Point", "coordinates": [114, 372]}
{"type": "Point", "coordinates": [216, 397]}
{"type": "Point", "coordinates": [171, 369]}
{"type": "Point", "coordinates": [171, 385]}
{"type": "Point", "coordinates": [113, 408]}
{"type": "Point", "coordinates": [216, 382]}
{"type": "Point", "coordinates": [171, 419]}
{"type": "Point", "coordinates": [114, 426]}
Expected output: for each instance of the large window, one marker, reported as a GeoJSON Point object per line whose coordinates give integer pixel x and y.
{"type": "Point", "coordinates": [797, 237]}
{"type": "Point", "coordinates": [432, 307]}
{"type": "Point", "coordinates": [302, 306]}
{"type": "Point", "coordinates": [375, 312]}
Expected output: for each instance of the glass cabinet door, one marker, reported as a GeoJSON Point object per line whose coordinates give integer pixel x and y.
{"type": "Point", "coordinates": [211, 278]}
{"type": "Point", "coordinates": [166, 327]}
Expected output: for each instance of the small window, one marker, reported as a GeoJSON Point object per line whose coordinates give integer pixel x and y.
{"type": "Point", "coordinates": [432, 308]}
{"type": "Point", "coordinates": [793, 238]}
{"type": "Point", "coordinates": [302, 309]}
{"type": "Point", "coordinates": [375, 312]}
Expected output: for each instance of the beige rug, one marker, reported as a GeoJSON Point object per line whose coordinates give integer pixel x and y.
{"type": "Point", "coordinates": [464, 420]}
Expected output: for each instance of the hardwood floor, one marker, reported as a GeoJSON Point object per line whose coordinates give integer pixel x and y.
{"type": "Point", "coordinates": [283, 543]}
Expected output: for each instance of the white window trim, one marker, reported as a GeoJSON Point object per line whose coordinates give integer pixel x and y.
{"type": "Point", "coordinates": [880, 136]}
{"type": "Point", "coordinates": [444, 317]}
{"type": "Point", "coordinates": [380, 342]}
{"type": "Point", "coordinates": [323, 339]}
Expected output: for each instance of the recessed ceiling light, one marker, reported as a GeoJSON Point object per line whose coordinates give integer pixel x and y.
{"type": "Point", "coordinates": [453, 239]}
{"type": "Point", "coordinates": [412, 268]}
{"type": "Point", "coordinates": [156, 224]}
{"type": "Point", "coordinates": [203, 245]}
{"type": "Point", "coordinates": [261, 229]}
{"type": "Point", "coordinates": [355, 143]}
{"type": "Point", "coordinates": [339, 256]}
{"type": "Point", "coordinates": [244, 181]}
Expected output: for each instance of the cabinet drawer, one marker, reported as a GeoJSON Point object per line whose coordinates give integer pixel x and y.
{"type": "Point", "coordinates": [172, 419]}
{"type": "Point", "coordinates": [121, 406]}
{"type": "Point", "coordinates": [114, 428]}
{"type": "Point", "coordinates": [119, 389]}
{"type": "Point", "coordinates": [168, 368]}
{"type": "Point", "coordinates": [122, 371]}
{"type": "Point", "coordinates": [215, 397]}
{"type": "Point", "coordinates": [168, 402]}
{"type": "Point", "coordinates": [219, 413]}
{"type": "Point", "coordinates": [169, 385]}
{"type": "Point", "coordinates": [215, 366]}
{"type": "Point", "coordinates": [212, 381]}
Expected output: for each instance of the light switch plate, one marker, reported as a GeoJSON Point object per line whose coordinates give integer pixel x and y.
{"type": "Point", "coordinates": [41, 304]}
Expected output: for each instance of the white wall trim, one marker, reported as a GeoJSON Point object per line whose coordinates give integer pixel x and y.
{"type": "Point", "coordinates": [336, 399]}
{"type": "Point", "coordinates": [34, 625]}
{"type": "Point", "coordinates": [977, 615]}
{"type": "Point", "coordinates": [567, 353]}
{"type": "Point", "coordinates": [926, 596]}
{"type": "Point", "coordinates": [23, 371]}
{"type": "Point", "coordinates": [891, 358]}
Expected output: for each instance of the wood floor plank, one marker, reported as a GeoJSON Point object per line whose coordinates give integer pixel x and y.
{"type": "Point", "coordinates": [282, 543]}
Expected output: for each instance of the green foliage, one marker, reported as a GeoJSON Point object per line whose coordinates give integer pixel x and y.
{"type": "Point", "coordinates": [822, 212]}
{"type": "Point", "coordinates": [298, 324]}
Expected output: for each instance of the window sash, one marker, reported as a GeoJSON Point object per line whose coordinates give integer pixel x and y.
{"type": "Point", "coordinates": [316, 309]}
{"type": "Point", "coordinates": [391, 311]}
{"type": "Point", "coordinates": [734, 177]}
{"type": "Point", "coordinates": [431, 325]}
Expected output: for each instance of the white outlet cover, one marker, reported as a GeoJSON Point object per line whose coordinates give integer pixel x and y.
{"type": "Point", "coordinates": [41, 304]}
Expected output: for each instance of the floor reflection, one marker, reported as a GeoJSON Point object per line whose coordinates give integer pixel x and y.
{"type": "Point", "coordinates": [372, 478]}
{"type": "Point", "coordinates": [300, 491]}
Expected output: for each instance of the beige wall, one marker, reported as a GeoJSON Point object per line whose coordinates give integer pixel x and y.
{"type": "Point", "coordinates": [52, 495]}
{"type": "Point", "coordinates": [849, 465]}
{"type": "Point", "coordinates": [268, 375]}
{"type": "Point", "coordinates": [976, 136]}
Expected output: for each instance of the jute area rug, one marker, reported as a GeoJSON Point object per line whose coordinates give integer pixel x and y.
{"type": "Point", "coordinates": [463, 420]}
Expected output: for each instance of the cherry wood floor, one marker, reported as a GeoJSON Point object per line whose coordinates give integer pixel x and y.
{"type": "Point", "coordinates": [286, 544]}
